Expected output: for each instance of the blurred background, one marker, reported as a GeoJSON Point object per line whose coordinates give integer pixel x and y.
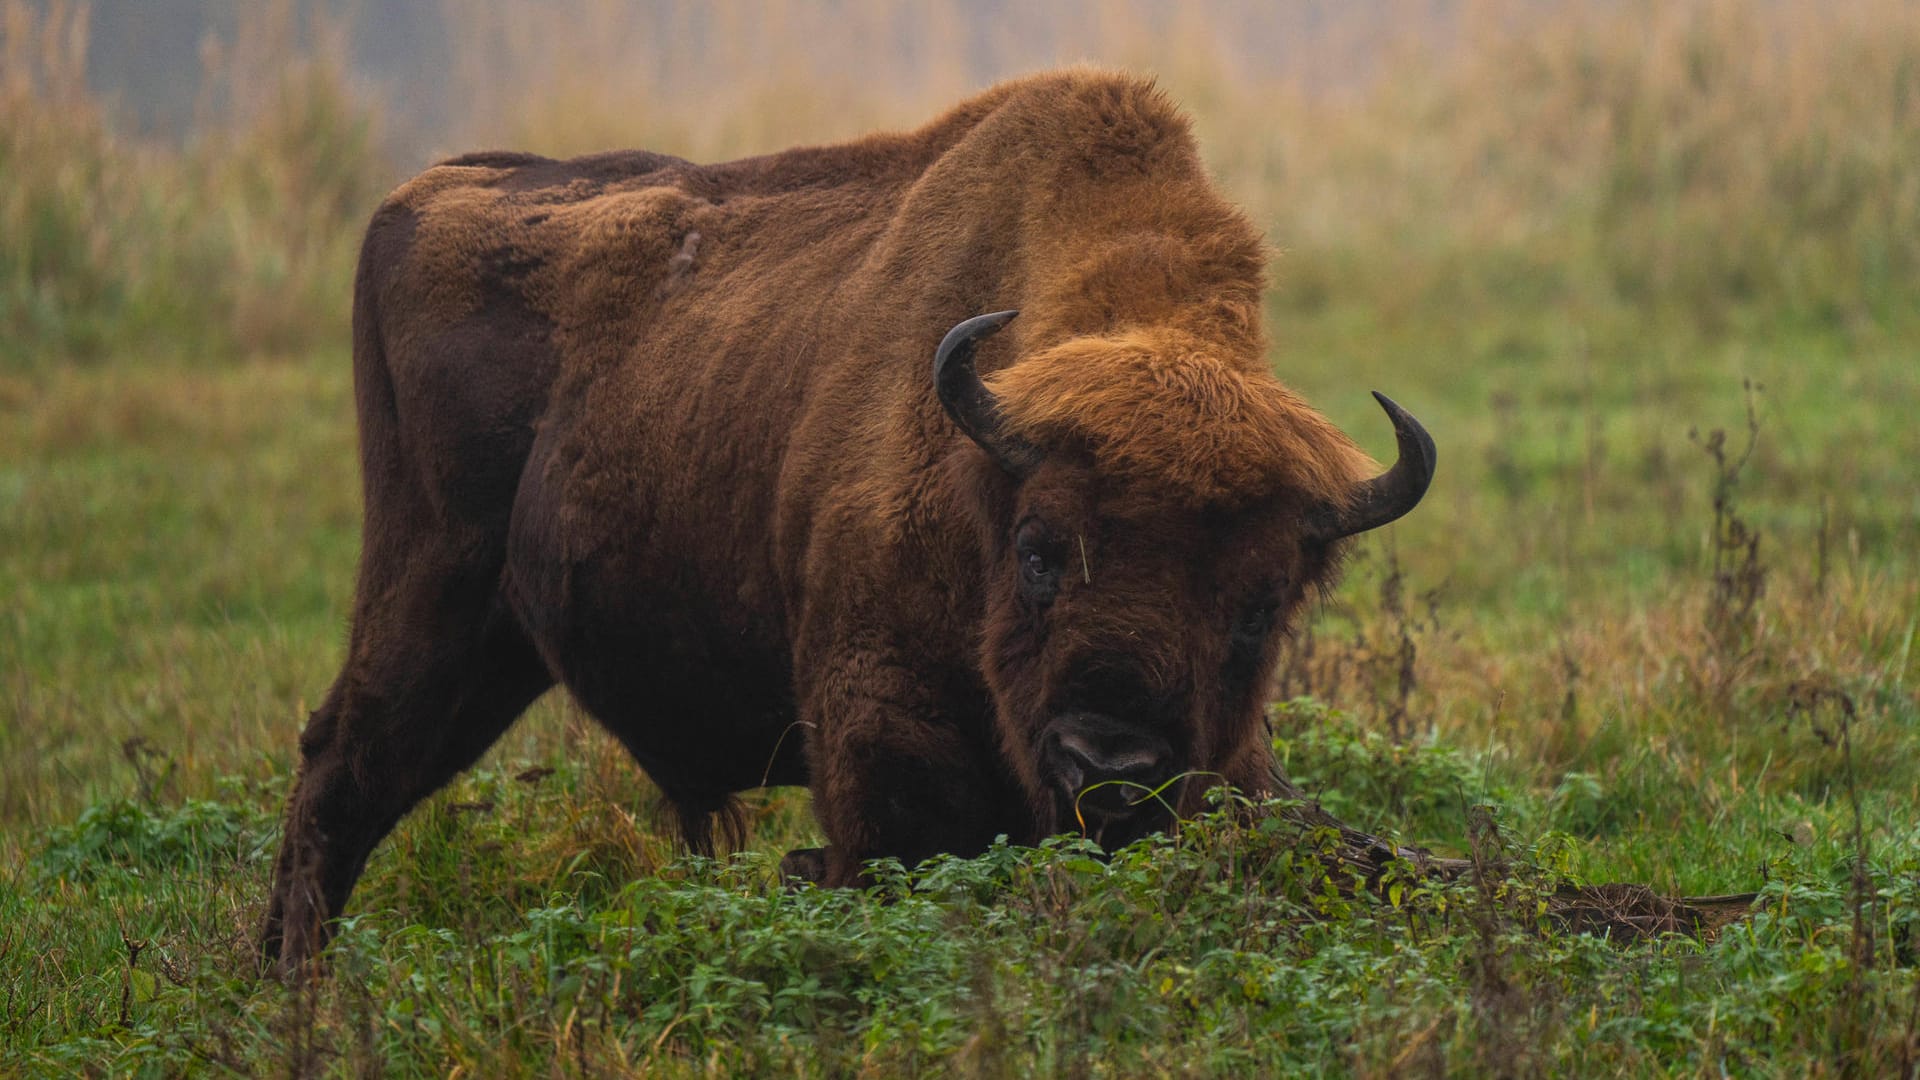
{"type": "Point", "coordinates": [1715, 163]}
{"type": "Point", "coordinates": [1649, 270]}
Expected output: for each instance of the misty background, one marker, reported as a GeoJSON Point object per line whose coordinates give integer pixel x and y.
{"type": "Point", "coordinates": [157, 61]}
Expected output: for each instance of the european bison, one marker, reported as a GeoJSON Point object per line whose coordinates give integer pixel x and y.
{"type": "Point", "coordinates": [731, 452]}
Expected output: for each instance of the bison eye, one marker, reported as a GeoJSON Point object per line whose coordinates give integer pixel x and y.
{"type": "Point", "coordinates": [1039, 562]}
{"type": "Point", "coordinates": [1251, 628]}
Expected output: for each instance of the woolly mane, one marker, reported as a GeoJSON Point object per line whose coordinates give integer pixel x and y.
{"type": "Point", "coordinates": [1159, 408]}
{"type": "Point", "coordinates": [1139, 338]}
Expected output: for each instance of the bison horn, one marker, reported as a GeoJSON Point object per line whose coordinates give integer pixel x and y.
{"type": "Point", "coordinates": [967, 399]}
{"type": "Point", "coordinates": [1394, 492]}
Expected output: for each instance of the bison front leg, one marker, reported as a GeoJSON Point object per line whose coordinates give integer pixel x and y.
{"type": "Point", "coordinates": [892, 780]}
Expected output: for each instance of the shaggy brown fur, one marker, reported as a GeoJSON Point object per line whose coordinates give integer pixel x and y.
{"type": "Point", "coordinates": [666, 433]}
{"type": "Point", "coordinates": [1172, 411]}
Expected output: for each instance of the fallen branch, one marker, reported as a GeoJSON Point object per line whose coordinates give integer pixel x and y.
{"type": "Point", "coordinates": [1622, 912]}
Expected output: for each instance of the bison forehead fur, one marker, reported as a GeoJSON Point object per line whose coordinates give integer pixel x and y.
{"type": "Point", "coordinates": [667, 434]}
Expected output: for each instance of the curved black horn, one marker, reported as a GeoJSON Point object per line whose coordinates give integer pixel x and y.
{"type": "Point", "coordinates": [1394, 492]}
{"type": "Point", "coordinates": [968, 400]}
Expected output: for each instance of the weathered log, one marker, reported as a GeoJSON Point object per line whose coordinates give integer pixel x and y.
{"type": "Point", "coordinates": [1620, 911]}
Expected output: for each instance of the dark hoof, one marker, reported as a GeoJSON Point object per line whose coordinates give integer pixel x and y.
{"type": "Point", "coordinates": [804, 866]}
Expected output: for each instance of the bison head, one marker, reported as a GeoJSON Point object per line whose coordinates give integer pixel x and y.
{"type": "Point", "coordinates": [1155, 519]}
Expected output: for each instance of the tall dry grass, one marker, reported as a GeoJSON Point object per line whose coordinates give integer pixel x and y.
{"type": "Point", "coordinates": [240, 240]}
{"type": "Point", "coordinates": [1714, 164]}
{"type": "Point", "coordinates": [1711, 160]}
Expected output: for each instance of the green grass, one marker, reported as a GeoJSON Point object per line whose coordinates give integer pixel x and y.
{"type": "Point", "coordinates": [178, 547]}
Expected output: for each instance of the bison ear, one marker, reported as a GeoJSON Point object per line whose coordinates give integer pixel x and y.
{"type": "Point", "coordinates": [967, 400]}
{"type": "Point", "coordinates": [1390, 495]}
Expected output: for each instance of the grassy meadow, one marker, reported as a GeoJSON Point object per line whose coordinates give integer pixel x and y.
{"type": "Point", "coordinates": [1650, 274]}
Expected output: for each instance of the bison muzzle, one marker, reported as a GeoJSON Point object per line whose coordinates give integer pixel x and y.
{"type": "Point", "coordinates": [666, 434]}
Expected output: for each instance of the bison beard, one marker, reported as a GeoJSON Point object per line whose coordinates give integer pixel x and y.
{"type": "Point", "coordinates": [666, 433]}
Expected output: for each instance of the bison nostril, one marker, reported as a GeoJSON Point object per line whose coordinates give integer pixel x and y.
{"type": "Point", "coordinates": [1104, 769]}
{"type": "Point", "coordinates": [1070, 771]}
{"type": "Point", "coordinates": [1126, 762]}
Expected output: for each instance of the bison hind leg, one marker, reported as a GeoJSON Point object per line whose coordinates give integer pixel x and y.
{"type": "Point", "coordinates": [707, 823]}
